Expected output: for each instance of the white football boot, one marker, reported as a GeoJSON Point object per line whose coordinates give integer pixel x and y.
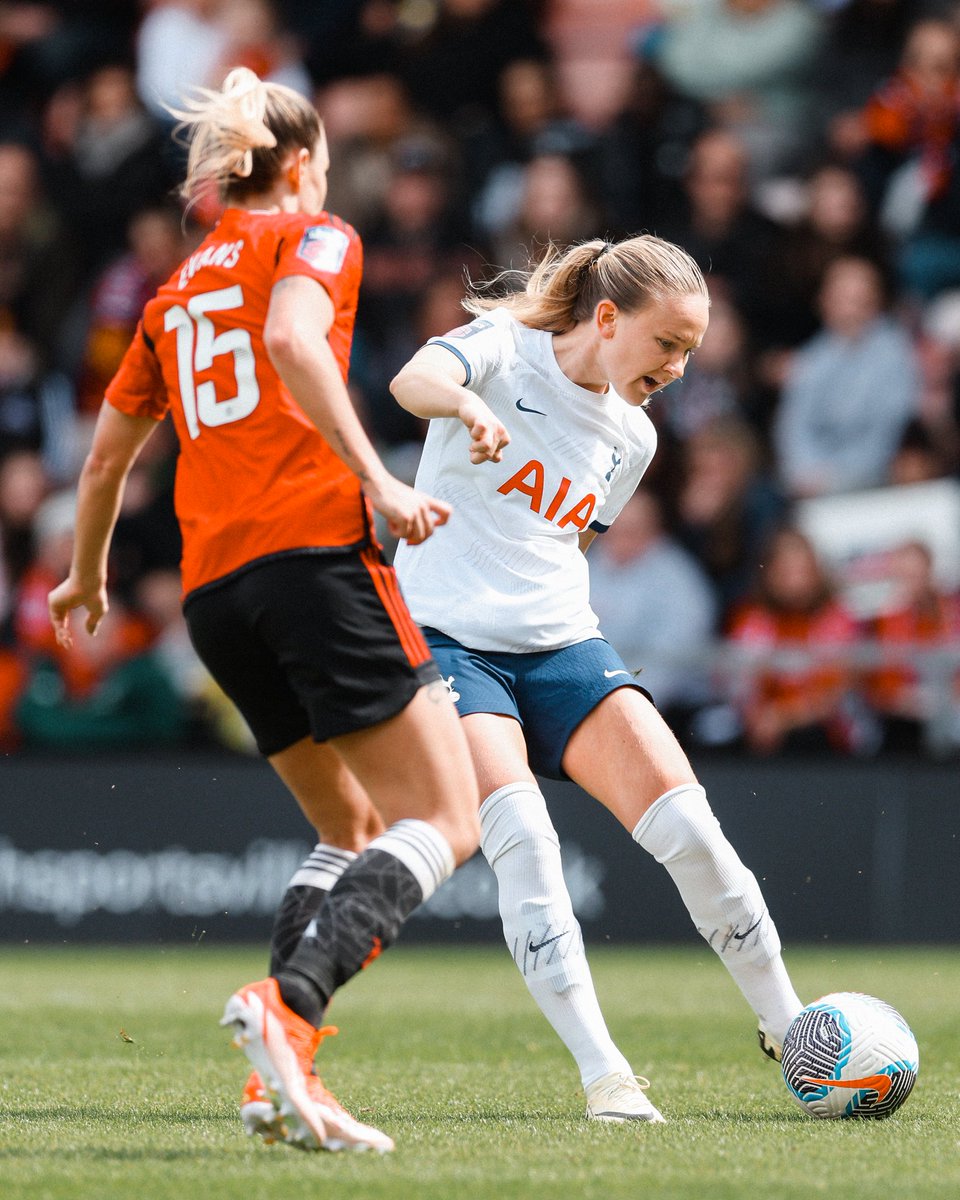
{"type": "Point", "coordinates": [618, 1098]}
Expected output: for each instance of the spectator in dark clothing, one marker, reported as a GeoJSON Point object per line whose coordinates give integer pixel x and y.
{"type": "Point", "coordinates": [556, 204]}
{"type": "Point", "coordinates": [837, 223]}
{"type": "Point", "coordinates": [718, 223]}
{"type": "Point", "coordinates": [37, 407]}
{"type": "Point", "coordinates": [530, 121]}
{"type": "Point", "coordinates": [374, 364]}
{"type": "Point", "coordinates": [727, 506]}
{"type": "Point", "coordinates": [644, 152]}
{"type": "Point", "coordinates": [115, 165]}
{"type": "Point", "coordinates": [453, 68]}
{"type": "Point", "coordinates": [147, 535]}
{"type": "Point", "coordinates": [346, 38]}
{"type": "Point", "coordinates": [38, 262]}
{"type": "Point", "coordinates": [420, 235]}
{"type": "Point", "coordinates": [45, 44]}
{"type": "Point", "coordinates": [24, 485]}
{"type": "Point", "coordinates": [368, 120]}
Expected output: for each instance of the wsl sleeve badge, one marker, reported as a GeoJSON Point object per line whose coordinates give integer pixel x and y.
{"type": "Point", "coordinates": [324, 248]}
{"type": "Point", "coordinates": [849, 1055]}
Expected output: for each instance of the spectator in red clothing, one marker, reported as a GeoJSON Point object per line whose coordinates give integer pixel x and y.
{"type": "Point", "coordinates": [904, 142]}
{"type": "Point", "coordinates": [13, 678]}
{"type": "Point", "coordinates": [916, 111]}
{"type": "Point", "coordinates": [52, 544]}
{"type": "Point", "coordinates": [901, 690]}
{"type": "Point", "coordinates": [795, 692]}
{"type": "Point", "coordinates": [80, 667]}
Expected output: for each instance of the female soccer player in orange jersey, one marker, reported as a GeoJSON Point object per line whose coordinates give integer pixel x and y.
{"type": "Point", "coordinates": [288, 598]}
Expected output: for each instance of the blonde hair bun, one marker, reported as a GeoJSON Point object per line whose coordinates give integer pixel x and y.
{"type": "Point", "coordinates": [227, 128]}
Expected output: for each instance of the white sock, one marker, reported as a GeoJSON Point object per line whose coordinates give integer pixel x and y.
{"type": "Point", "coordinates": [322, 867]}
{"type": "Point", "coordinates": [724, 900]}
{"type": "Point", "coordinates": [541, 931]}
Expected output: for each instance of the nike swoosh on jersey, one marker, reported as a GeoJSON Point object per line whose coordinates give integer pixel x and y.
{"type": "Point", "coordinates": [610, 674]}
{"type": "Point", "coordinates": [523, 408]}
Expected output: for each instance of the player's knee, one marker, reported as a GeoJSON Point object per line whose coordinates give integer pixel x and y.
{"type": "Point", "coordinates": [465, 836]}
{"type": "Point", "coordinates": [350, 831]}
{"type": "Point", "coordinates": [679, 824]}
{"type": "Point", "coordinates": [514, 819]}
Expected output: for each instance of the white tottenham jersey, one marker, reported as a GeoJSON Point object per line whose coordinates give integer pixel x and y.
{"type": "Point", "coordinates": [506, 572]}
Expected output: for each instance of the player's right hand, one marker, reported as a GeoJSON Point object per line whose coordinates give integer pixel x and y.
{"type": "Point", "coordinates": [70, 595]}
{"type": "Point", "coordinates": [488, 435]}
{"type": "Point", "coordinates": [410, 514]}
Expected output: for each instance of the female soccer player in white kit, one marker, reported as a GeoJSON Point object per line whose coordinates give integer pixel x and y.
{"type": "Point", "coordinates": [567, 366]}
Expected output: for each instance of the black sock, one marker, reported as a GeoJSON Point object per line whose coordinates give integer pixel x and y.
{"type": "Point", "coordinates": [300, 994]}
{"type": "Point", "coordinates": [362, 916]}
{"type": "Point", "coordinates": [300, 904]}
{"type": "Point", "coordinates": [304, 898]}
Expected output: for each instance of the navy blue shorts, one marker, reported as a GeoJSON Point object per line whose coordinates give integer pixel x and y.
{"type": "Point", "coordinates": [548, 691]}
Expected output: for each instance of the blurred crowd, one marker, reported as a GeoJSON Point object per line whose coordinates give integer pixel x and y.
{"type": "Point", "coordinates": [806, 152]}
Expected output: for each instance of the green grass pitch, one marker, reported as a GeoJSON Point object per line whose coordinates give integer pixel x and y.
{"type": "Point", "coordinates": [117, 1084]}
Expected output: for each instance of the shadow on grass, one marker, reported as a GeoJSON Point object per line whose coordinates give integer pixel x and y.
{"type": "Point", "coordinates": [102, 1113]}
{"type": "Point", "coordinates": [105, 1154]}
{"type": "Point", "coordinates": [513, 1117]}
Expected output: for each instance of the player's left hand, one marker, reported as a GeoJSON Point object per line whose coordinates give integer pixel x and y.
{"type": "Point", "coordinates": [70, 595]}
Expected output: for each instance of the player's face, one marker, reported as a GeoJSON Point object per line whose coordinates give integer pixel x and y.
{"type": "Point", "coordinates": [313, 180]}
{"type": "Point", "coordinates": [641, 352]}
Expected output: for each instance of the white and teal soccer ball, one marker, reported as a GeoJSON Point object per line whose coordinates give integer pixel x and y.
{"type": "Point", "coordinates": [849, 1055]}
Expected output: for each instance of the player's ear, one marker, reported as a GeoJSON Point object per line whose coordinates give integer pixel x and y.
{"type": "Point", "coordinates": [605, 316]}
{"type": "Point", "coordinates": [294, 168]}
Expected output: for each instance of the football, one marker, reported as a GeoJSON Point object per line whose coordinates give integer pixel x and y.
{"type": "Point", "coordinates": [849, 1055]}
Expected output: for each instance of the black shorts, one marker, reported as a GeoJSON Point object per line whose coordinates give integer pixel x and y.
{"type": "Point", "coordinates": [310, 644]}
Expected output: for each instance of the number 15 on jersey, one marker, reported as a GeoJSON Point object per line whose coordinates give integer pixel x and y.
{"type": "Point", "coordinates": [198, 344]}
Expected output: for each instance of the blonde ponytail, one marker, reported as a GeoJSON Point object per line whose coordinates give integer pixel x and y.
{"type": "Point", "coordinates": [239, 135]}
{"type": "Point", "coordinates": [566, 286]}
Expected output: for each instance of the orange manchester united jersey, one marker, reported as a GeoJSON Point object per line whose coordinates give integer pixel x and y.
{"type": "Point", "coordinates": [254, 476]}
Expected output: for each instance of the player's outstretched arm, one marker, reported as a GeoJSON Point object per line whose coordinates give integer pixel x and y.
{"type": "Point", "coordinates": [295, 335]}
{"type": "Point", "coordinates": [117, 441]}
{"type": "Point", "coordinates": [431, 385]}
